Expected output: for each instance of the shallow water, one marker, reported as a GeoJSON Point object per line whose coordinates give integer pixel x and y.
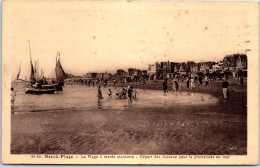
{"type": "Point", "coordinates": [81, 97]}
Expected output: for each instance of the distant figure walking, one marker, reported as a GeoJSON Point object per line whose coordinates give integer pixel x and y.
{"type": "Point", "coordinates": [175, 86]}
{"type": "Point", "coordinates": [200, 80]}
{"type": "Point", "coordinates": [180, 87]}
{"type": "Point", "coordinates": [100, 96]}
{"type": "Point", "coordinates": [130, 95]}
{"type": "Point", "coordinates": [165, 87]}
{"type": "Point", "coordinates": [143, 82]}
{"type": "Point", "coordinates": [88, 81]}
{"type": "Point", "coordinates": [93, 83]}
{"type": "Point", "coordinates": [109, 92]}
{"type": "Point", "coordinates": [13, 94]}
{"type": "Point", "coordinates": [225, 85]}
{"type": "Point", "coordinates": [192, 83]}
{"type": "Point", "coordinates": [188, 83]}
{"type": "Point", "coordinates": [105, 83]}
{"type": "Point", "coordinates": [97, 83]}
{"type": "Point", "coordinates": [115, 81]}
{"type": "Point", "coordinates": [206, 80]}
{"type": "Point", "coordinates": [134, 92]}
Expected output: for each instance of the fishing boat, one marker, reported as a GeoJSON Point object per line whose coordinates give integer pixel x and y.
{"type": "Point", "coordinates": [37, 89]}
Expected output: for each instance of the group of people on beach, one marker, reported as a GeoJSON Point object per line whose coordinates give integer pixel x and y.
{"type": "Point", "coordinates": [190, 84]}
{"type": "Point", "coordinates": [88, 82]}
{"type": "Point", "coordinates": [128, 93]}
{"type": "Point", "coordinates": [176, 86]}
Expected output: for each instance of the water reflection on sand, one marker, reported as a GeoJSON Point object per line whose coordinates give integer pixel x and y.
{"type": "Point", "coordinates": [81, 97]}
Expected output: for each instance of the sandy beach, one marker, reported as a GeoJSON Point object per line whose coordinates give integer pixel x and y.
{"type": "Point", "coordinates": [219, 128]}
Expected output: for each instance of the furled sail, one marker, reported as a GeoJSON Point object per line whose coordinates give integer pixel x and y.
{"type": "Point", "coordinates": [60, 74]}
{"type": "Point", "coordinates": [32, 77]}
{"type": "Point", "coordinates": [18, 75]}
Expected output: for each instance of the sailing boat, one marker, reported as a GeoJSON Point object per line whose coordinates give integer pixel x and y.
{"type": "Point", "coordinates": [60, 74]}
{"type": "Point", "coordinates": [34, 89]}
{"type": "Point", "coordinates": [17, 79]}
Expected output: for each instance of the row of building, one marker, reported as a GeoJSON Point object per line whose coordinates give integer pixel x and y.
{"type": "Point", "coordinates": [232, 64]}
{"type": "Point", "coordinates": [132, 75]}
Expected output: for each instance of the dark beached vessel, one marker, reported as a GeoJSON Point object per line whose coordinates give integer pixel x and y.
{"type": "Point", "coordinates": [60, 74]}
{"type": "Point", "coordinates": [39, 91]}
{"type": "Point", "coordinates": [38, 87]}
{"type": "Point", "coordinates": [43, 89]}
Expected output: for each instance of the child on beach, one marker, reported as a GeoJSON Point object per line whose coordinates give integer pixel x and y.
{"type": "Point", "coordinates": [109, 93]}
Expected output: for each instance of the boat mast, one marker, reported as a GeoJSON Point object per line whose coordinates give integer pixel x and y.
{"type": "Point", "coordinates": [17, 77]}
{"type": "Point", "coordinates": [30, 51]}
{"type": "Point", "coordinates": [32, 78]}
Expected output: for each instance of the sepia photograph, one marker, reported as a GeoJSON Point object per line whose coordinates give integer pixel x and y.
{"type": "Point", "coordinates": [130, 79]}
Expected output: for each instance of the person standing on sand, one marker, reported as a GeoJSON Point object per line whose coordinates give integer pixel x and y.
{"type": "Point", "coordinates": [105, 83]}
{"type": "Point", "coordinates": [200, 80]}
{"type": "Point", "coordinates": [130, 95]}
{"type": "Point", "coordinates": [97, 83]}
{"type": "Point", "coordinates": [13, 94]}
{"type": "Point", "coordinates": [115, 83]}
{"type": "Point", "coordinates": [188, 83]}
{"type": "Point", "coordinates": [165, 87]}
{"type": "Point", "coordinates": [134, 92]}
{"type": "Point", "coordinates": [174, 86]}
{"type": "Point", "coordinates": [100, 97]}
{"type": "Point", "coordinates": [124, 92]}
{"type": "Point", "coordinates": [180, 87]}
{"type": "Point", "coordinates": [225, 85]}
{"type": "Point", "coordinates": [143, 82]}
{"type": "Point", "coordinates": [206, 80]}
{"type": "Point", "coordinates": [109, 92]}
{"type": "Point", "coordinates": [192, 83]}
{"type": "Point", "coordinates": [89, 82]}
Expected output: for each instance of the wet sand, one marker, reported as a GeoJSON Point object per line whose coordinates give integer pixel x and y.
{"type": "Point", "coordinates": [219, 128]}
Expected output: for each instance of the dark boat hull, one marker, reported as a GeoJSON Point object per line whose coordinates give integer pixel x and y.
{"type": "Point", "coordinates": [52, 86]}
{"type": "Point", "coordinates": [39, 91]}
{"type": "Point", "coordinates": [60, 86]}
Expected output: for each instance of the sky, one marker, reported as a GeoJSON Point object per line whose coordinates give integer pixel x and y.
{"type": "Point", "coordinates": [99, 36]}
